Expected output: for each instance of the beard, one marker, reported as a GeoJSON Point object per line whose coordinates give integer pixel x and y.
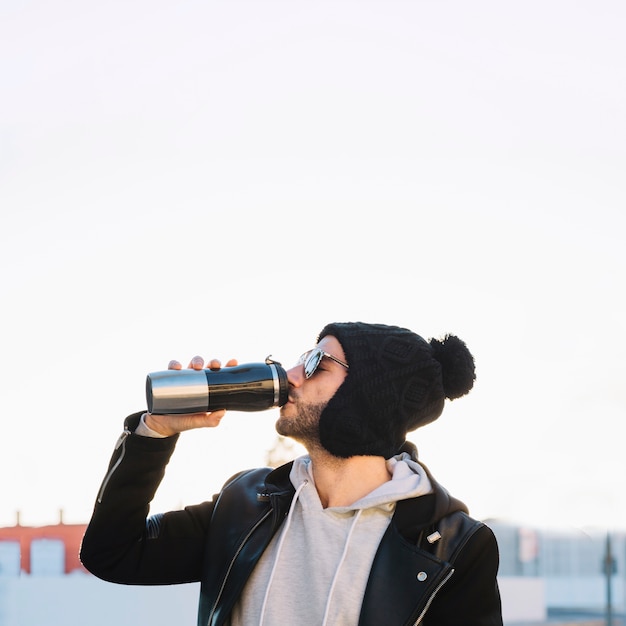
{"type": "Point", "coordinates": [304, 425]}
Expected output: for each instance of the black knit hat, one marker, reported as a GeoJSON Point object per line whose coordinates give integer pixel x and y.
{"type": "Point", "coordinates": [397, 381]}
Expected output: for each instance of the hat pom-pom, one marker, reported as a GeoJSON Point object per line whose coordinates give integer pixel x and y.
{"type": "Point", "coordinates": [457, 365]}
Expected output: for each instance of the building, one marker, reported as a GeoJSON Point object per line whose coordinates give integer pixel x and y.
{"type": "Point", "coordinates": [540, 571]}
{"type": "Point", "coordinates": [49, 550]}
{"type": "Point", "coordinates": [581, 570]}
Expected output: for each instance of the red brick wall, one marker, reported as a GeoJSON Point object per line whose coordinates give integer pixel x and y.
{"type": "Point", "coordinates": [70, 534]}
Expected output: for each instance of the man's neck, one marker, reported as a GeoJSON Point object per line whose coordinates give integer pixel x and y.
{"type": "Point", "coordinates": [341, 482]}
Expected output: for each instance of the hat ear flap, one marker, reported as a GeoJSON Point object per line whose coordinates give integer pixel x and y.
{"type": "Point", "coordinates": [338, 426]}
{"type": "Point", "coordinates": [347, 428]}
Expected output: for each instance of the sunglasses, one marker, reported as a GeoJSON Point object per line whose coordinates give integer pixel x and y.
{"type": "Point", "coordinates": [312, 358]}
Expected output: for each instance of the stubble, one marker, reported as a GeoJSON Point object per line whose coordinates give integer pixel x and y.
{"type": "Point", "coordinates": [304, 426]}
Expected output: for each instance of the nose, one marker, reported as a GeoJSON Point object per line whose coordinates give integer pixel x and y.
{"type": "Point", "coordinates": [295, 375]}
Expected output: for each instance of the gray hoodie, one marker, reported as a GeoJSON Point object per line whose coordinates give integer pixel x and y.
{"type": "Point", "coordinates": [315, 570]}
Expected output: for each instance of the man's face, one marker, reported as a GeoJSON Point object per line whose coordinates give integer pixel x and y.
{"type": "Point", "coordinates": [299, 417]}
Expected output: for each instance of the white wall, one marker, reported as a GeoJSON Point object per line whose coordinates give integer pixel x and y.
{"type": "Point", "coordinates": [584, 592]}
{"type": "Point", "coordinates": [78, 600]}
{"type": "Point", "coordinates": [523, 599]}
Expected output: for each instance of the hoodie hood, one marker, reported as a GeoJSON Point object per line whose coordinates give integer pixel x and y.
{"type": "Point", "coordinates": [408, 480]}
{"type": "Point", "coordinates": [410, 517]}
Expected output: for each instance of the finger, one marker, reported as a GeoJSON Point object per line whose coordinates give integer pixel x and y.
{"type": "Point", "coordinates": [213, 419]}
{"type": "Point", "coordinates": [174, 365]}
{"type": "Point", "coordinates": [169, 425]}
{"type": "Point", "coordinates": [232, 363]}
{"type": "Point", "coordinates": [196, 363]}
{"type": "Point", "coordinates": [214, 364]}
{"type": "Point", "coordinates": [198, 420]}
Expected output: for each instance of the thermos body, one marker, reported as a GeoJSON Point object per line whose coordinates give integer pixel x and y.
{"type": "Point", "coordinates": [248, 387]}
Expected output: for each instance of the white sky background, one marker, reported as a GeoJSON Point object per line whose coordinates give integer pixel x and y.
{"type": "Point", "coordinates": [224, 178]}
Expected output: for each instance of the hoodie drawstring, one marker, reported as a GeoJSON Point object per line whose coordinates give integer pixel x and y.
{"type": "Point", "coordinates": [343, 558]}
{"type": "Point", "coordinates": [279, 548]}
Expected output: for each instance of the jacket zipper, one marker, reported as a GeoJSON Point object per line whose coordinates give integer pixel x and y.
{"type": "Point", "coordinates": [232, 562]}
{"type": "Point", "coordinates": [120, 442]}
{"type": "Point", "coordinates": [432, 597]}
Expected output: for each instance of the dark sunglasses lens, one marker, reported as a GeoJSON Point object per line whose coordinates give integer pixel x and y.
{"type": "Point", "coordinates": [312, 362]}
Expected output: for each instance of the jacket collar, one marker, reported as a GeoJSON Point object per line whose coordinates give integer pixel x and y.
{"type": "Point", "coordinates": [277, 481]}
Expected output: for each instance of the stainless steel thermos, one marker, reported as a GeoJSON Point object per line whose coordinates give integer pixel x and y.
{"type": "Point", "coordinates": [247, 387]}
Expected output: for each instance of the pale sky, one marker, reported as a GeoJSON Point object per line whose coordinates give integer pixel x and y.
{"type": "Point", "coordinates": [224, 178]}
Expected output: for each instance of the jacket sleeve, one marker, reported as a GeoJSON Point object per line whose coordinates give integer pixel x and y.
{"type": "Point", "coordinates": [121, 544]}
{"type": "Point", "coordinates": [471, 597]}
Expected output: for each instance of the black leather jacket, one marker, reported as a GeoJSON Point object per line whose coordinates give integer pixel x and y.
{"type": "Point", "coordinates": [435, 565]}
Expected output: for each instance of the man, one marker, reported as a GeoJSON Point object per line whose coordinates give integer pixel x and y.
{"type": "Point", "coordinates": [357, 532]}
